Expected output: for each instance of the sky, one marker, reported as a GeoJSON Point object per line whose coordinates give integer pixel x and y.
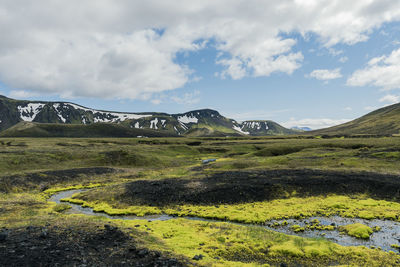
{"type": "Point", "coordinates": [307, 63]}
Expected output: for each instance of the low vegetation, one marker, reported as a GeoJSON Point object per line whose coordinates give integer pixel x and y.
{"type": "Point", "coordinates": [33, 169]}
{"type": "Point", "coordinates": [227, 244]}
{"type": "Point", "coordinates": [357, 230]}
{"type": "Point", "coordinates": [260, 212]}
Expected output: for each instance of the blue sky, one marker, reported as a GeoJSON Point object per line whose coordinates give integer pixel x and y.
{"type": "Point", "coordinates": [275, 60]}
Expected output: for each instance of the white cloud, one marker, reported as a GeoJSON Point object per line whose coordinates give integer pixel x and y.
{"type": "Point", "coordinates": [343, 59]}
{"type": "Point", "coordinates": [21, 94]}
{"type": "Point", "coordinates": [380, 71]}
{"type": "Point", "coordinates": [396, 42]}
{"type": "Point", "coordinates": [128, 49]}
{"type": "Point", "coordinates": [335, 52]}
{"type": "Point", "coordinates": [156, 101]}
{"type": "Point", "coordinates": [391, 99]}
{"type": "Point", "coordinates": [371, 108]}
{"type": "Point", "coordinates": [314, 123]}
{"type": "Point", "coordinates": [187, 98]}
{"type": "Point", "coordinates": [348, 109]}
{"type": "Point", "coordinates": [324, 74]}
{"type": "Point", "coordinates": [256, 114]}
{"type": "Point", "coordinates": [234, 68]}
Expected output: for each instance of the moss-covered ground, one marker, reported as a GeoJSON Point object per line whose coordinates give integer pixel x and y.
{"type": "Point", "coordinates": [357, 230]}
{"type": "Point", "coordinates": [33, 169]}
{"type": "Point", "coordinates": [260, 212]}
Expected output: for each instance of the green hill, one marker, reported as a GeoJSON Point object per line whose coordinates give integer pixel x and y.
{"type": "Point", "coordinates": [383, 121]}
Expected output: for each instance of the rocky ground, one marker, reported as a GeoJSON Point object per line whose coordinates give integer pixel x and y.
{"type": "Point", "coordinates": [43, 180]}
{"type": "Point", "coordinates": [105, 245]}
{"type": "Point", "coordinates": [247, 186]}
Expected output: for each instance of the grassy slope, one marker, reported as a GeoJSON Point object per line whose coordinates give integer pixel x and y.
{"type": "Point", "coordinates": [384, 121]}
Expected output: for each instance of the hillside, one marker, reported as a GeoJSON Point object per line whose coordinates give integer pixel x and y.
{"type": "Point", "coordinates": [34, 129]}
{"type": "Point", "coordinates": [383, 121]}
{"type": "Point", "coordinates": [44, 115]}
{"type": "Point", "coordinates": [260, 128]}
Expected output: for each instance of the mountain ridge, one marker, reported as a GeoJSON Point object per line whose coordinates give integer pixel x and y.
{"type": "Point", "coordinates": [198, 122]}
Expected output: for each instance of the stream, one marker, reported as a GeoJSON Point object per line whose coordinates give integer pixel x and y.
{"type": "Point", "coordinates": [388, 235]}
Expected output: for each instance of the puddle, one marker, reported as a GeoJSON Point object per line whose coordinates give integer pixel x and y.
{"type": "Point", "coordinates": [388, 235]}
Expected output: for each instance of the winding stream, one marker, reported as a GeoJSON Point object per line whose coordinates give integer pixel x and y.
{"type": "Point", "coordinates": [388, 235]}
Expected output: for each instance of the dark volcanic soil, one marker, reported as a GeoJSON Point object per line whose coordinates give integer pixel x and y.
{"type": "Point", "coordinates": [44, 179]}
{"type": "Point", "coordinates": [69, 246]}
{"type": "Point", "coordinates": [249, 186]}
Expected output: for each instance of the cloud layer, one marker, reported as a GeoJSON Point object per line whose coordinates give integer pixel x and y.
{"type": "Point", "coordinates": [325, 75]}
{"type": "Point", "coordinates": [128, 49]}
{"type": "Point", "coordinates": [314, 124]}
{"type": "Point", "coordinates": [381, 71]}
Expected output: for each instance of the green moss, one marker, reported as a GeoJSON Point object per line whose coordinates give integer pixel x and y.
{"type": "Point", "coordinates": [259, 212]}
{"type": "Point", "coordinates": [49, 192]}
{"type": "Point", "coordinates": [376, 228]}
{"type": "Point", "coordinates": [113, 211]}
{"type": "Point", "coordinates": [320, 227]}
{"type": "Point", "coordinates": [61, 207]}
{"type": "Point", "coordinates": [357, 230]}
{"type": "Point", "coordinates": [396, 246]}
{"type": "Point", "coordinates": [297, 228]}
{"type": "Point", "coordinates": [288, 249]}
{"type": "Point", "coordinates": [224, 244]}
{"type": "Point", "coordinates": [315, 221]}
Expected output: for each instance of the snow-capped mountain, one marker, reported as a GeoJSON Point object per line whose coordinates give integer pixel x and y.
{"type": "Point", "coordinates": [197, 122]}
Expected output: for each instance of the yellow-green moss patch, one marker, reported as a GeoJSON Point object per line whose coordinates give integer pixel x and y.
{"type": "Point", "coordinates": [61, 207]}
{"type": "Point", "coordinates": [358, 230]}
{"type": "Point", "coordinates": [234, 245]}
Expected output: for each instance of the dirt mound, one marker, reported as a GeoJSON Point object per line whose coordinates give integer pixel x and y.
{"type": "Point", "coordinates": [54, 246]}
{"type": "Point", "coordinates": [47, 178]}
{"type": "Point", "coordinates": [249, 186]}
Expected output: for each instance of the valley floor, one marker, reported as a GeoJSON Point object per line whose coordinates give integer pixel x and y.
{"type": "Point", "coordinates": [263, 202]}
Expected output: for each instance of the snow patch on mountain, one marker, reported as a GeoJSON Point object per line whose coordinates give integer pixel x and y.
{"type": "Point", "coordinates": [237, 128]}
{"type": "Point", "coordinates": [187, 119]}
{"type": "Point", "coordinates": [153, 123]}
{"type": "Point", "coordinates": [255, 125]}
{"type": "Point", "coordinates": [176, 130]}
{"type": "Point", "coordinates": [82, 108]}
{"type": "Point", "coordinates": [252, 124]}
{"type": "Point", "coordinates": [102, 116]}
{"type": "Point", "coordinates": [30, 111]}
{"type": "Point", "coordinates": [183, 125]}
{"type": "Point", "coordinates": [58, 112]}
